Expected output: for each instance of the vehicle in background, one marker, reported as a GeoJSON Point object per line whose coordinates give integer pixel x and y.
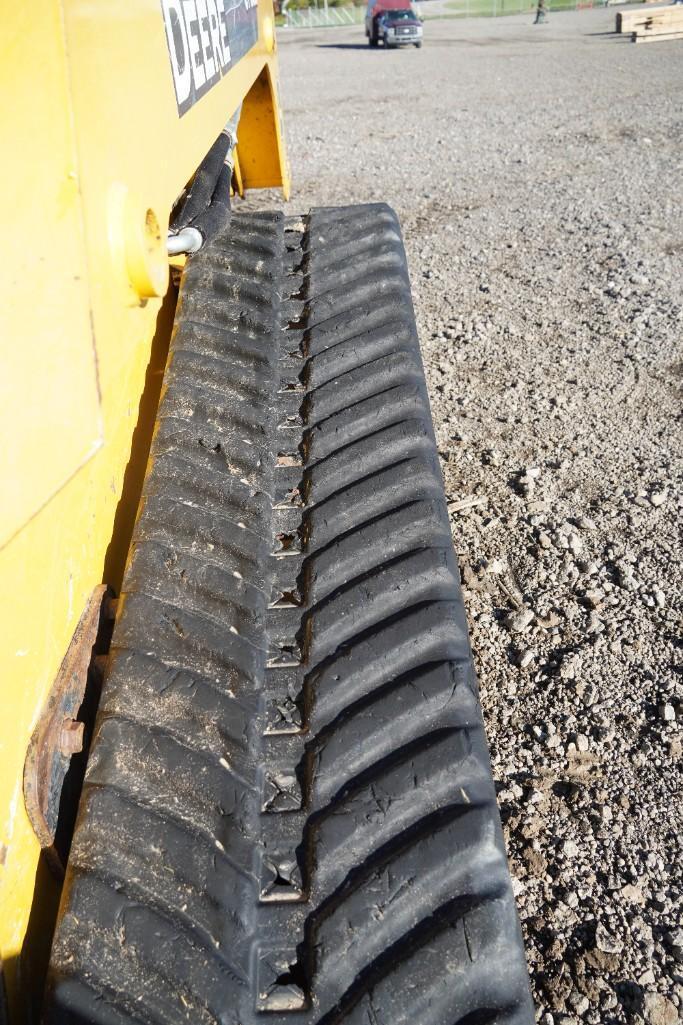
{"type": "Point", "coordinates": [394, 22]}
{"type": "Point", "coordinates": [400, 28]}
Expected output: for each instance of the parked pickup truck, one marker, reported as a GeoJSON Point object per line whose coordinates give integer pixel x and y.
{"type": "Point", "coordinates": [394, 22]}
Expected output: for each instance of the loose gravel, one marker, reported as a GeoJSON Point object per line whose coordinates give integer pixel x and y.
{"type": "Point", "coordinates": [537, 173]}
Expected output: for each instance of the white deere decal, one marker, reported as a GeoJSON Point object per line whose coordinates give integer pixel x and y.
{"type": "Point", "coordinates": [205, 38]}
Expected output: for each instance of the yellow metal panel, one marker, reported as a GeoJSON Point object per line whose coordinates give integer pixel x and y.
{"type": "Point", "coordinates": [100, 155]}
{"type": "Point", "coordinates": [260, 135]}
{"type": "Point", "coordinates": [48, 347]}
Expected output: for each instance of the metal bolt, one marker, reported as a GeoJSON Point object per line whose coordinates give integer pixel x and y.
{"type": "Point", "coordinates": [71, 737]}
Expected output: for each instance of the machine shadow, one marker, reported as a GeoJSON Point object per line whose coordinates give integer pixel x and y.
{"type": "Point", "coordinates": [24, 975]}
{"type": "Point", "coordinates": [126, 510]}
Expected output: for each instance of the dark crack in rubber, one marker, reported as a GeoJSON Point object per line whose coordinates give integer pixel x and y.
{"type": "Point", "coordinates": [288, 815]}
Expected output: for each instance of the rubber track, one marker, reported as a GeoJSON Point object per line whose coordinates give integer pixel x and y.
{"type": "Point", "coordinates": [288, 815]}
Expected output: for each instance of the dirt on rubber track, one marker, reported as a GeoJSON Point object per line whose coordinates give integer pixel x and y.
{"type": "Point", "coordinates": [537, 174]}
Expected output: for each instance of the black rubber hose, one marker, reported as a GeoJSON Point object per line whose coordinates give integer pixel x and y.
{"type": "Point", "coordinates": [215, 216]}
{"type": "Point", "coordinates": [207, 203]}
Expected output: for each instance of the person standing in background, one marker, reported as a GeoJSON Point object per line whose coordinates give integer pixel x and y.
{"type": "Point", "coordinates": [541, 12]}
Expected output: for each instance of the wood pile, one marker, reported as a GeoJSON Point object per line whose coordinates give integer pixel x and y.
{"type": "Point", "coordinates": [658, 23]}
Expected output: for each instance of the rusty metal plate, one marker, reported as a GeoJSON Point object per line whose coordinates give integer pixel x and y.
{"type": "Point", "coordinates": [59, 735]}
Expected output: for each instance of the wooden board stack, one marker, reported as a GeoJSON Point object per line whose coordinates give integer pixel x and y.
{"type": "Point", "coordinates": [658, 23]}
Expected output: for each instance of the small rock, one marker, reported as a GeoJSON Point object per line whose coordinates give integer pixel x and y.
{"type": "Point", "coordinates": [518, 886]}
{"type": "Point", "coordinates": [575, 544]}
{"type": "Point", "coordinates": [569, 667]}
{"type": "Point", "coordinates": [579, 1002]}
{"type": "Point", "coordinates": [588, 693]}
{"type": "Point", "coordinates": [525, 658]}
{"type": "Point", "coordinates": [658, 498]}
{"type": "Point", "coordinates": [517, 622]}
{"type": "Point", "coordinates": [667, 712]}
{"type": "Point", "coordinates": [633, 893]}
{"type": "Point", "coordinates": [606, 942]}
{"type": "Point", "coordinates": [674, 940]}
{"type": "Point", "coordinates": [658, 1010]}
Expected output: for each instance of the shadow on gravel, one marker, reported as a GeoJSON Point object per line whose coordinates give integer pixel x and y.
{"type": "Point", "coordinates": [442, 44]}
{"type": "Point", "coordinates": [344, 46]}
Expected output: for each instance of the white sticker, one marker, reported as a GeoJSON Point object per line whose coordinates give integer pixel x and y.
{"type": "Point", "coordinates": [205, 39]}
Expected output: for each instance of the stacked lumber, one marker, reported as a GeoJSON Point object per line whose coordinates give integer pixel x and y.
{"type": "Point", "coordinates": [657, 23]}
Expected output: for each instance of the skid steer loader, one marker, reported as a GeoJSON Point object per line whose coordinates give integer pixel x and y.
{"type": "Point", "coordinates": [244, 777]}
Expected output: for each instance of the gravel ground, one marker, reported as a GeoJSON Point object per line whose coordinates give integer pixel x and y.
{"type": "Point", "coordinates": [537, 174]}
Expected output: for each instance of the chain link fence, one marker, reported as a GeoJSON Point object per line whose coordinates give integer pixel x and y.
{"type": "Point", "coordinates": [323, 15]}
{"type": "Point", "coordinates": [499, 8]}
{"type": "Point", "coordinates": [496, 8]}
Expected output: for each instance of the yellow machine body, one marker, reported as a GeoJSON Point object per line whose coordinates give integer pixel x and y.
{"type": "Point", "coordinates": [96, 152]}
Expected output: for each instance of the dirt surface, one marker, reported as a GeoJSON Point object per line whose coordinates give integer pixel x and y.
{"type": "Point", "coordinates": [537, 175]}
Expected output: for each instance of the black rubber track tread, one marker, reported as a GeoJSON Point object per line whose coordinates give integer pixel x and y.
{"type": "Point", "coordinates": [288, 815]}
{"type": "Point", "coordinates": [168, 825]}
